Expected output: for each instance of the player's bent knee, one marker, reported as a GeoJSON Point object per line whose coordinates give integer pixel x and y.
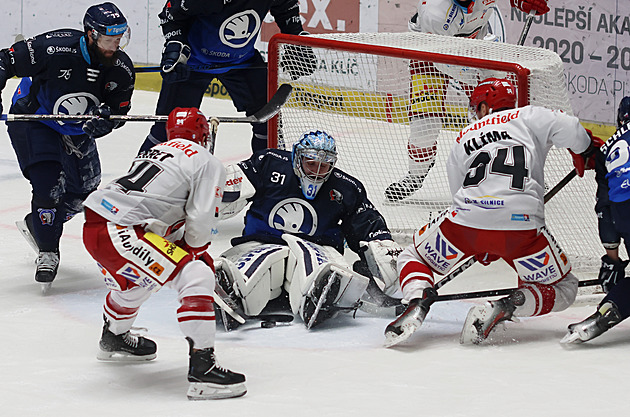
{"type": "Point", "coordinates": [195, 278]}
{"type": "Point", "coordinates": [566, 291]}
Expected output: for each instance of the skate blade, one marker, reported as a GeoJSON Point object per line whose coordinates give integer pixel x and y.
{"type": "Point", "coordinates": [123, 357]}
{"type": "Point", "coordinates": [470, 334]}
{"type": "Point", "coordinates": [21, 225]}
{"type": "Point", "coordinates": [207, 391]}
{"type": "Point", "coordinates": [393, 339]}
{"type": "Point", "coordinates": [571, 338]}
{"type": "Point", "coordinates": [46, 286]}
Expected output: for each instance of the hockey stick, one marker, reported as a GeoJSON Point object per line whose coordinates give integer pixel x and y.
{"type": "Point", "coordinates": [267, 112]}
{"type": "Point", "coordinates": [528, 24]}
{"type": "Point", "coordinates": [493, 293]}
{"type": "Point", "coordinates": [202, 68]}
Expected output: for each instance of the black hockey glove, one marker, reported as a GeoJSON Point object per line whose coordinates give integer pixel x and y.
{"type": "Point", "coordinates": [611, 272]}
{"type": "Point", "coordinates": [174, 58]}
{"type": "Point", "coordinates": [298, 60]}
{"type": "Point", "coordinates": [3, 81]}
{"type": "Point", "coordinates": [99, 125]}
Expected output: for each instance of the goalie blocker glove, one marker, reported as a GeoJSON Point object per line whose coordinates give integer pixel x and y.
{"type": "Point", "coordinates": [174, 66]}
{"type": "Point", "coordinates": [539, 6]}
{"type": "Point", "coordinates": [586, 160]}
{"type": "Point", "coordinates": [298, 60]}
{"type": "Point", "coordinates": [611, 271]}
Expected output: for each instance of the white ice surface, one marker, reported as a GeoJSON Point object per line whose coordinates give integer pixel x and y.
{"type": "Point", "coordinates": [49, 342]}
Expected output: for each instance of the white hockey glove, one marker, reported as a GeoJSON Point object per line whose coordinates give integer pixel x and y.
{"type": "Point", "coordinates": [381, 257]}
{"type": "Point", "coordinates": [238, 189]}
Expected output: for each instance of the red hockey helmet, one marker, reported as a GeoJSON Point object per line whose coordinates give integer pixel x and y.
{"type": "Point", "coordinates": [497, 93]}
{"type": "Point", "coordinates": [189, 123]}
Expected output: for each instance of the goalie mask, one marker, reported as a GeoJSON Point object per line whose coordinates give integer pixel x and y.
{"type": "Point", "coordinates": [107, 23]}
{"type": "Point", "coordinates": [497, 93]}
{"type": "Point", "coordinates": [314, 157]}
{"type": "Point", "coordinates": [189, 124]}
{"type": "Point", "coordinates": [623, 114]}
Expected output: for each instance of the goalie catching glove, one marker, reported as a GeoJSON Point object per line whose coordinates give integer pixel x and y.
{"type": "Point", "coordinates": [586, 160]}
{"type": "Point", "coordinates": [381, 257]}
{"type": "Point", "coordinates": [611, 272]}
{"type": "Point", "coordinates": [174, 66]}
{"type": "Point", "coordinates": [538, 6]}
{"type": "Point", "coordinates": [298, 60]}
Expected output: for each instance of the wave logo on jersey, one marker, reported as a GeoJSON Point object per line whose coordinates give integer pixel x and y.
{"type": "Point", "coordinates": [239, 29]}
{"type": "Point", "coordinates": [74, 104]}
{"type": "Point", "coordinates": [540, 267]}
{"type": "Point", "coordinates": [439, 253]}
{"type": "Point", "coordinates": [293, 215]}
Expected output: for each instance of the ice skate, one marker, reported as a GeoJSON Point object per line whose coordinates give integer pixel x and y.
{"type": "Point", "coordinates": [319, 301]}
{"type": "Point", "coordinates": [402, 189]}
{"type": "Point", "coordinates": [26, 229]}
{"type": "Point", "coordinates": [208, 380]}
{"type": "Point", "coordinates": [482, 319]}
{"type": "Point", "coordinates": [47, 265]}
{"type": "Point", "coordinates": [410, 320]}
{"type": "Point", "coordinates": [606, 317]}
{"type": "Point", "coordinates": [126, 347]}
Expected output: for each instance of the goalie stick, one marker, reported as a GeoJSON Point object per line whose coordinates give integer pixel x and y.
{"type": "Point", "coordinates": [261, 116]}
{"type": "Point", "coordinates": [202, 68]}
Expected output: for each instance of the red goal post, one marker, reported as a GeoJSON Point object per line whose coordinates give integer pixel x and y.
{"type": "Point", "coordinates": [367, 90]}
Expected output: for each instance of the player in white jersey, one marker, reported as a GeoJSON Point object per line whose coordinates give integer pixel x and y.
{"type": "Point", "coordinates": [129, 230]}
{"type": "Point", "coordinates": [495, 173]}
{"type": "Point", "coordinates": [458, 18]}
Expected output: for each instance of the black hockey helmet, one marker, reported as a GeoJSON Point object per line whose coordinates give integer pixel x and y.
{"type": "Point", "coordinates": [623, 113]}
{"type": "Point", "coordinates": [105, 19]}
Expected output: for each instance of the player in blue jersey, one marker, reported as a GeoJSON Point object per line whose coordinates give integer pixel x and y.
{"type": "Point", "coordinates": [302, 211]}
{"type": "Point", "coordinates": [612, 172]}
{"type": "Point", "coordinates": [65, 72]}
{"type": "Point", "coordinates": [205, 40]}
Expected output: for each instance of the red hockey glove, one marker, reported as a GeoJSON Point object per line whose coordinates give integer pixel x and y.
{"type": "Point", "coordinates": [486, 259]}
{"type": "Point", "coordinates": [539, 6]}
{"type": "Point", "coordinates": [586, 160]}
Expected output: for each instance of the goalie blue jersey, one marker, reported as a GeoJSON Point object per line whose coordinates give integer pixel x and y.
{"type": "Point", "coordinates": [341, 210]}
{"type": "Point", "coordinates": [60, 76]}
{"type": "Point", "coordinates": [224, 32]}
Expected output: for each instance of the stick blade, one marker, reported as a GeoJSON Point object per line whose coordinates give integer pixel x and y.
{"type": "Point", "coordinates": [268, 111]}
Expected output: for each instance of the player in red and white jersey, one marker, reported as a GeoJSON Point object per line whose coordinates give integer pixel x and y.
{"type": "Point", "coordinates": [495, 172]}
{"type": "Point", "coordinates": [429, 81]}
{"type": "Point", "coordinates": [130, 228]}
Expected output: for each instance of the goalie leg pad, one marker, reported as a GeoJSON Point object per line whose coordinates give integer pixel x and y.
{"type": "Point", "coordinates": [334, 289]}
{"type": "Point", "coordinates": [257, 273]}
{"type": "Point", "coordinates": [312, 261]}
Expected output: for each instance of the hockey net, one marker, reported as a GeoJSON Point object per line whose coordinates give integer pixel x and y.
{"type": "Point", "coordinates": [367, 86]}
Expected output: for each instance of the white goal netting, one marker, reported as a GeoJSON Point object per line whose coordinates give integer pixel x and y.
{"type": "Point", "coordinates": [368, 90]}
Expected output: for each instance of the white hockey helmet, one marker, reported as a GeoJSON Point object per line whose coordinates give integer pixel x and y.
{"type": "Point", "coordinates": [314, 156]}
